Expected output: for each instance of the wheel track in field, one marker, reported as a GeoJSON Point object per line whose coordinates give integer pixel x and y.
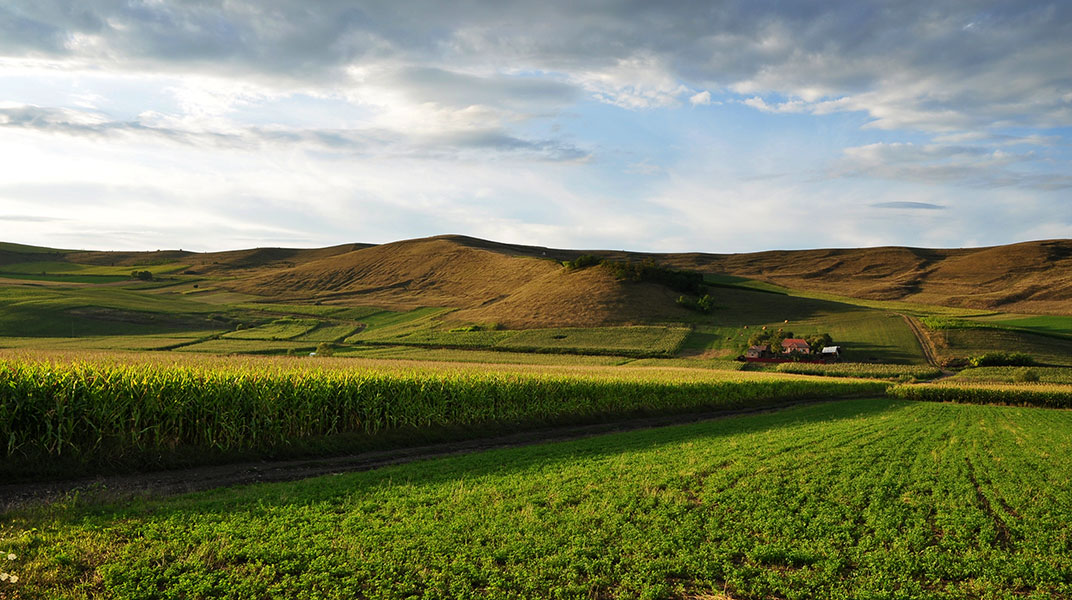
{"type": "Point", "coordinates": [178, 481]}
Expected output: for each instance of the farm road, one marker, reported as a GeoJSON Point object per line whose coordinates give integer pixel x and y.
{"type": "Point", "coordinates": [179, 481]}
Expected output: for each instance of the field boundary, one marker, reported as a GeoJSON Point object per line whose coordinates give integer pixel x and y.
{"type": "Point", "coordinates": [923, 339]}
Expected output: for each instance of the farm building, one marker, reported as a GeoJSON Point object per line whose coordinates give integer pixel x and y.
{"type": "Point", "coordinates": [831, 353]}
{"type": "Point", "coordinates": [757, 351]}
{"type": "Point", "coordinates": [791, 345]}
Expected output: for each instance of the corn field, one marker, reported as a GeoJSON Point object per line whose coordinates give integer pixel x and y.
{"type": "Point", "coordinates": [876, 371]}
{"type": "Point", "coordinates": [1044, 395]}
{"type": "Point", "coordinates": [100, 411]}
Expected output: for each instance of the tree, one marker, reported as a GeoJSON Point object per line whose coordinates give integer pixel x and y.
{"type": "Point", "coordinates": [819, 341]}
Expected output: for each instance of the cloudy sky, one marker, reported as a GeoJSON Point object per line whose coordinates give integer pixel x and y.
{"type": "Point", "coordinates": [660, 126]}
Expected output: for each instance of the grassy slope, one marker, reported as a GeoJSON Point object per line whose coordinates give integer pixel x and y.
{"type": "Point", "coordinates": [56, 312]}
{"type": "Point", "coordinates": [859, 499]}
{"type": "Point", "coordinates": [869, 334]}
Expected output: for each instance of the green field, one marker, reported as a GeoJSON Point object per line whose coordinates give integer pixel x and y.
{"type": "Point", "coordinates": [861, 370]}
{"type": "Point", "coordinates": [328, 332]}
{"type": "Point", "coordinates": [1050, 395]}
{"type": "Point", "coordinates": [867, 334]}
{"type": "Point", "coordinates": [856, 499]}
{"type": "Point", "coordinates": [1052, 325]}
{"type": "Point", "coordinates": [240, 346]}
{"type": "Point", "coordinates": [424, 327]}
{"type": "Point", "coordinates": [974, 342]}
{"type": "Point", "coordinates": [280, 329]}
{"type": "Point", "coordinates": [489, 356]}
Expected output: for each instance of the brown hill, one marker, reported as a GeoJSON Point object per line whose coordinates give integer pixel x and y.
{"type": "Point", "coordinates": [526, 285]}
{"type": "Point", "coordinates": [1031, 277]}
{"type": "Point", "coordinates": [512, 283]}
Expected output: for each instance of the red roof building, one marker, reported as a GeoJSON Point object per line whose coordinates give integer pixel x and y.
{"type": "Point", "coordinates": [790, 345]}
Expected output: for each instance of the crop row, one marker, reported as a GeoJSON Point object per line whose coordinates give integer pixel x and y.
{"type": "Point", "coordinates": [870, 498]}
{"type": "Point", "coordinates": [1045, 395]}
{"type": "Point", "coordinates": [1016, 374]}
{"type": "Point", "coordinates": [98, 412]}
{"type": "Point", "coordinates": [878, 371]}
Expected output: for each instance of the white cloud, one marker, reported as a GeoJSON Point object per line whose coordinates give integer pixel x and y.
{"type": "Point", "coordinates": [700, 99]}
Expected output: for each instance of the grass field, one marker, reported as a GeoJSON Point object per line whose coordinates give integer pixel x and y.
{"type": "Point", "coordinates": [279, 329]}
{"type": "Point", "coordinates": [424, 327]}
{"type": "Point", "coordinates": [106, 342]}
{"type": "Point", "coordinates": [857, 499]}
{"type": "Point", "coordinates": [1053, 325]}
{"type": "Point", "coordinates": [974, 342]}
{"type": "Point", "coordinates": [328, 332]}
{"type": "Point", "coordinates": [868, 334]}
{"type": "Point", "coordinates": [68, 268]}
{"type": "Point", "coordinates": [487, 356]}
{"type": "Point", "coordinates": [240, 346]}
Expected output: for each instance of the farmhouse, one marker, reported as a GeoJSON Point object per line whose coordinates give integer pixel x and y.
{"type": "Point", "coordinates": [757, 351]}
{"type": "Point", "coordinates": [791, 345]}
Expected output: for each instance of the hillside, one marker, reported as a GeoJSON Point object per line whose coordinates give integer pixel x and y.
{"type": "Point", "coordinates": [504, 282]}
{"type": "Point", "coordinates": [526, 286]}
{"type": "Point", "coordinates": [513, 285]}
{"type": "Point", "coordinates": [1030, 277]}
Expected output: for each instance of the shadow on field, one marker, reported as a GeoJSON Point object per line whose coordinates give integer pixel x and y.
{"type": "Point", "coordinates": [294, 483]}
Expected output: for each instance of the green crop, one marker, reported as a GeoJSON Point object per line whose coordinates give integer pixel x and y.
{"type": "Point", "coordinates": [1027, 394]}
{"type": "Point", "coordinates": [875, 499]}
{"type": "Point", "coordinates": [99, 411]}
{"type": "Point", "coordinates": [877, 371]}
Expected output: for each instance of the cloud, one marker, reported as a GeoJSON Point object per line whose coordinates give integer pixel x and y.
{"type": "Point", "coordinates": [932, 66]}
{"type": "Point", "coordinates": [371, 141]}
{"type": "Point", "coordinates": [700, 99]}
{"type": "Point", "coordinates": [909, 205]}
{"type": "Point", "coordinates": [974, 166]}
{"type": "Point", "coordinates": [29, 219]}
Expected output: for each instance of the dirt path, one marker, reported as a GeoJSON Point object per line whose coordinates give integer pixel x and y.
{"type": "Point", "coordinates": [924, 341]}
{"type": "Point", "coordinates": [163, 483]}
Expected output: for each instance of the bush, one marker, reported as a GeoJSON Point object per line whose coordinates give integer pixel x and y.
{"type": "Point", "coordinates": [688, 282]}
{"type": "Point", "coordinates": [325, 349]}
{"type": "Point", "coordinates": [465, 328]}
{"type": "Point", "coordinates": [1027, 376]}
{"type": "Point", "coordinates": [582, 261]}
{"type": "Point", "coordinates": [955, 362]}
{"type": "Point", "coordinates": [1002, 359]}
{"type": "Point", "coordinates": [702, 304]}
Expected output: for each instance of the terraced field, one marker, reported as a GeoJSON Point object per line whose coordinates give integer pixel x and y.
{"type": "Point", "coordinates": [854, 499]}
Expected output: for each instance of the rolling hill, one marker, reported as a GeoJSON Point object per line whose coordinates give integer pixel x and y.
{"type": "Point", "coordinates": [504, 282]}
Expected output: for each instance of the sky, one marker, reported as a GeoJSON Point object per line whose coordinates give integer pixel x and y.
{"type": "Point", "coordinates": [720, 126]}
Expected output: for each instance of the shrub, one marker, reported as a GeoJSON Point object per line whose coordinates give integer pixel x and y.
{"type": "Point", "coordinates": [1027, 376]}
{"type": "Point", "coordinates": [702, 304]}
{"type": "Point", "coordinates": [1002, 359]}
{"type": "Point", "coordinates": [582, 261]}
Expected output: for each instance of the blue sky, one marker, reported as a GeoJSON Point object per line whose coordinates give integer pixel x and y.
{"type": "Point", "coordinates": [671, 126]}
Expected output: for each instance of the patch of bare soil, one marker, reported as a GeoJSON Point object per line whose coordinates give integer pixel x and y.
{"type": "Point", "coordinates": [179, 481]}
